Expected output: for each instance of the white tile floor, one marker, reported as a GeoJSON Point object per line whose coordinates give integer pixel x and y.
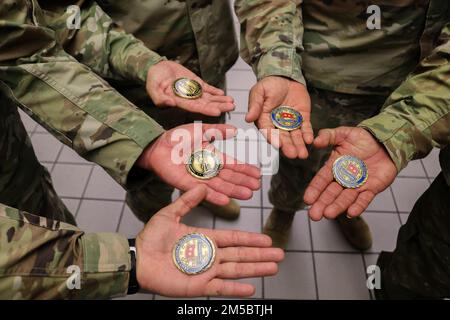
{"type": "Point", "coordinates": [319, 263]}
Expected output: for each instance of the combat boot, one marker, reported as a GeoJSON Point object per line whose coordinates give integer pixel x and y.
{"type": "Point", "coordinates": [356, 231]}
{"type": "Point", "coordinates": [278, 227]}
{"type": "Point", "coordinates": [229, 212]}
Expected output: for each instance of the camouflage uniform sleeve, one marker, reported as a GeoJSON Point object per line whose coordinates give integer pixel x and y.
{"type": "Point", "coordinates": [71, 101]}
{"type": "Point", "coordinates": [271, 37]}
{"type": "Point", "coordinates": [101, 45]}
{"type": "Point", "coordinates": [46, 259]}
{"type": "Point", "coordinates": [416, 117]}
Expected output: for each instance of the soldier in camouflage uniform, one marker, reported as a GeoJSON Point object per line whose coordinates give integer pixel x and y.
{"type": "Point", "coordinates": [199, 35]}
{"type": "Point", "coordinates": [414, 119]}
{"type": "Point", "coordinates": [84, 112]}
{"type": "Point", "coordinates": [348, 69]}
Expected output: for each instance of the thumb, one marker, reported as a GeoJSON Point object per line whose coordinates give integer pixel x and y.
{"type": "Point", "coordinates": [188, 201]}
{"type": "Point", "coordinates": [255, 103]}
{"type": "Point", "coordinates": [331, 137]}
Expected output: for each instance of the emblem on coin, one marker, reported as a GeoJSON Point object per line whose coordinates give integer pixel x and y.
{"type": "Point", "coordinates": [194, 253]}
{"type": "Point", "coordinates": [204, 164]}
{"type": "Point", "coordinates": [350, 171]}
{"type": "Point", "coordinates": [187, 88]}
{"type": "Point", "coordinates": [286, 118]}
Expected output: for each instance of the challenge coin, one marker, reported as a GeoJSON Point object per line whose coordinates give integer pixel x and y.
{"type": "Point", "coordinates": [286, 118]}
{"type": "Point", "coordinates": [194, 253]}
{"type": "Point", "coordinates": [187, 88]}
{"type": "Point", "coordinates": [350, 171]}
{"type": "Point", "coordinates": [204, 164]}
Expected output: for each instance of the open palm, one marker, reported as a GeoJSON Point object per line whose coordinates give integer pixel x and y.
{"type": "Point", "coordinates": [235, 180]}
{"type": "Point", "coordinates": [238, 255]}
{"type": "Point", "coordinates": [160, 79]}
{"type": "Point", "coordinates": [272, 92]}
{"type": "Point", "coordinates": [327, 197]}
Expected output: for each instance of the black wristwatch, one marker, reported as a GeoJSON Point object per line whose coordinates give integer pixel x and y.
{"type": "Point", "coordinates": [133, 285]}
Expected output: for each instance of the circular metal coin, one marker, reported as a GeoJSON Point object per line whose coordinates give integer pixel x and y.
{"type": "Point", "coordinates": [194, 253]}
{"type": "Point", "coordinates": [286, 118]}
{"type": "Point", "coordinates": [187, 88]}
{"type": "Point", "coordinates": [350, 172]}
{"type": "Point", "coordinates": [204, 164]}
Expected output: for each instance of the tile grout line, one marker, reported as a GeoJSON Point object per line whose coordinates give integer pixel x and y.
{"type": "Point", "coordinates": [396, 205]}
{"type": "Point", "coordinates": [121, 216]}
{"type": "Point", "coordinates": [84, 190]}
{"type": "Point", "coordinates": [426, 173]}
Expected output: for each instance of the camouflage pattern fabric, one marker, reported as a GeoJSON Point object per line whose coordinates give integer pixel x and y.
{"type": "Point", "coordinates": [331, 110]}
{"type": "Point", "coordinates": [419, 266]}
{"type": "Point", "coordinates": [36, 253]}
{"type": "Point", "coordinates": [416, 117]}
{"type": "Point", "coordinates": [83, 112]}
{"type": "Point", "coordinates": [309, 39]}
{"type": "Point", "coordinates": [199, 34]}
{"type": "Point", "coordinates": [68, 99]}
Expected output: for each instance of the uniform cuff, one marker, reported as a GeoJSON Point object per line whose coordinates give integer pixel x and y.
{"type": "Point", "coordinates": [394, 134]}
{"type": "Point", "coordinates": [106, 265]}
{"type": "Point", "coordinates": [283, 62]}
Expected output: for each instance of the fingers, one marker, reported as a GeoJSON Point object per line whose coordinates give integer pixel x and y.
{"type": "Point", "coordinates": [326, 198]}
{"type": "Point", "coordinates": [236, 270]}
{"type": "Point", "coordinates": [218, 287]}
{"type": "Point", "coordinates": [211, 89]}
{"type": "Point", "coordinates": [240, 179]}
{"type": "Point", "coordinates": [308, 133]}
{"type": "Point", "coordinates": [255, 103]}
{"type": "Point", "coordinates": [325, 138]}
{"type": "Point", "coordinates": [297, 138]}
{"type": "Point", "coordinates": [230, 189]}
{"type": "Point", "coordinates": [245, 254]}
{"type": "Point", "coordinates": [344, 200]}
{"type": "Point", "coordinates": [186, 202]}
{"type": "Point", "coordinates": [319, 183]}
{"type": "Point", "coordinates": [233, 238]}
{"type": "Point", "coordinates": [361, 203]}
{"type": "Point", "coordinates": [217, 198]}
{"type": "Point", "coordinates": [240, 167]}
{"type": "Point", "coordinates": [331, 137]}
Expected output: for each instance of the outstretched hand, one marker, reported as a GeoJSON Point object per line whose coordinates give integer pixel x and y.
{"type": "Point", "coordinates": [238, 255]}
{"type": "Point", "coordinates": [327, 197]}
{"type": "Point", "coordinates": [272, 92]}
{"type": "Point", "coordinates": [160, 79]}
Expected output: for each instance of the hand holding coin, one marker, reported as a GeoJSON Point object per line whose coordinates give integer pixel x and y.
{"type": "Point", "coordinates": [223, 176]}
{"type": "Point", "coordinates": [358, 168]}
{"type": "Point", "coordinates": [282, 104]}
{"type": "Point", "coordinates": [193, 262]}
{"type": "Point", "coordinates": [169, 84]}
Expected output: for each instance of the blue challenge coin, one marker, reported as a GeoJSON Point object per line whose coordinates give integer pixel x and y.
{"type": "Point", "coordinates": [350, 172]}
{"type": "Point", "coordinates": [286, 118]}
{"type": "Point", "coordinates": [194, 253]}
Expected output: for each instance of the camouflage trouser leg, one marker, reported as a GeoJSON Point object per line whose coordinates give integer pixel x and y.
{"type": "Point", "coordinates": [329, 110]}
{"type": "Point", "coordinates": [419, 267]}
{"type": "Point", "coordinates": [156, 194]}
{"type": "Point", "coordinates": [24, 183]}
